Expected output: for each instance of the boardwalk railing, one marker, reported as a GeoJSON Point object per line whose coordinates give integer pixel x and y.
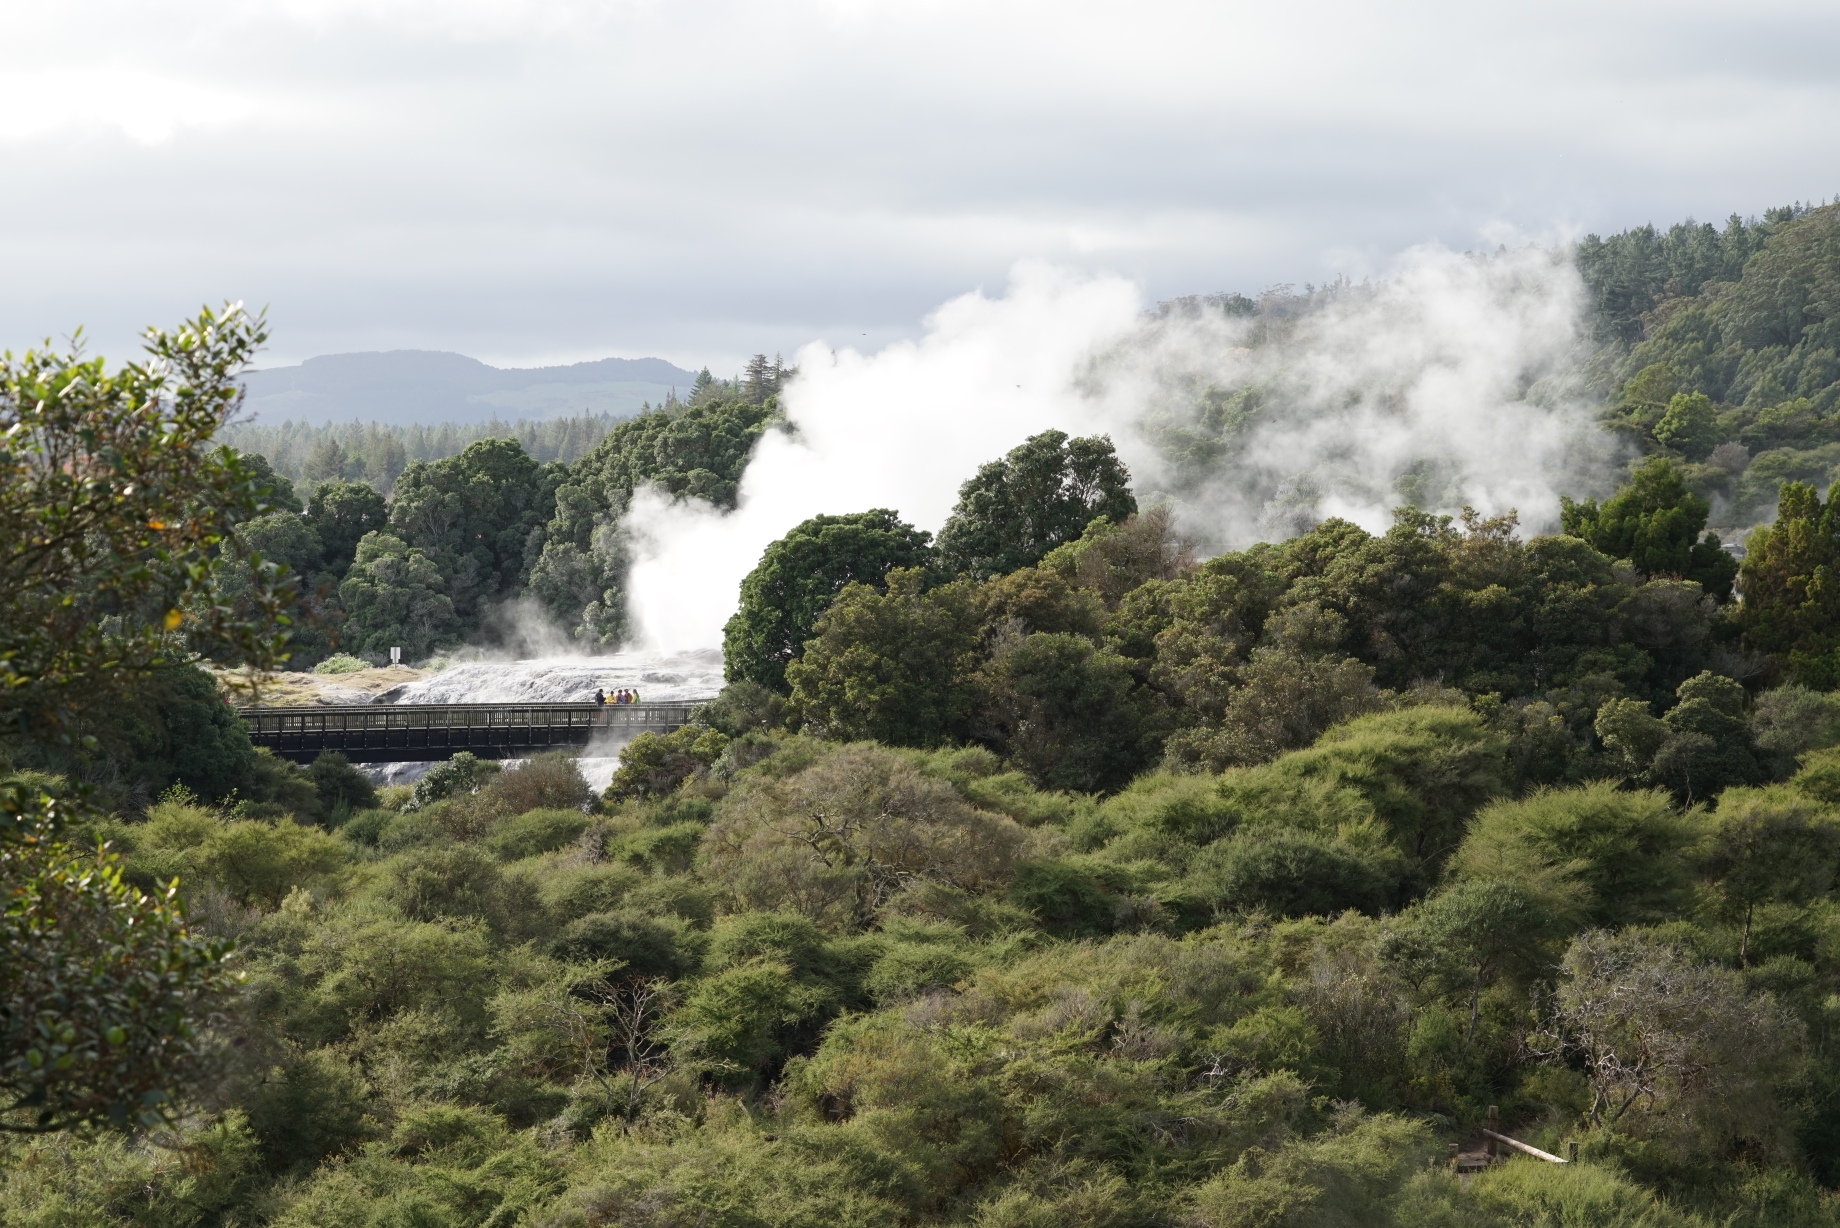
{"type": "Point", "coordinates": [382, 733]}
{"type": "Point", "coordinates": [1467, 1162]}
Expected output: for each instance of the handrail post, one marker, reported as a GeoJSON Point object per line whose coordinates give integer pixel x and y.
{"type": "Point", "coordinates": [1527, 1148]}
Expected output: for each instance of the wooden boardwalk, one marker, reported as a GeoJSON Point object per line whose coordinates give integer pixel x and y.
{"type": "Point", "coordinates": [385, 733]}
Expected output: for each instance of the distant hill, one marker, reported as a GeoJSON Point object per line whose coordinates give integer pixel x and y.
{"type": "Point", "coordinates": [408, 386]}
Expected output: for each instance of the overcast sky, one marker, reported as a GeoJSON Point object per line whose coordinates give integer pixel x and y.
{"type": "Point", "coordinates": [538, 181]}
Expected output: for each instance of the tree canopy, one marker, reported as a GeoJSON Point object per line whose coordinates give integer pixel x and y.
{"type": "Point", "coordinates": [798, 577]}
{"type": "Point", "coordinates": [119, 509]}
{"type": "Point", "coordinates": [1655, 523]}
{"type": "Point", "coordinates": [473, 516]}
{"type": "Point", "coordinates": [1719, 351]}
{"type": "Point", "coordinates": [1042, 494]}
{"type": "Point", "coordinates": [1791, 605]}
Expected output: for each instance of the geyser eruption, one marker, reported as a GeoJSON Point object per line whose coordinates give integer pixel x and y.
{"type": "Point", "coordinates": [901, 428]}
{"type": "Point", "coordinates": [1448, 385]}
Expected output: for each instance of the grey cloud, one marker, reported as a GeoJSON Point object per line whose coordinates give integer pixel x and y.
{"type": "Point", "coordinates": [543, 182]}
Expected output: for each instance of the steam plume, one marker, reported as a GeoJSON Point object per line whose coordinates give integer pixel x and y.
{"type": "Point", "coordinates": [1454, 383]}
{"type": "Point", "coordinates": [902, 428]}
{"type": "Point", "coordinates": [1450, 384]}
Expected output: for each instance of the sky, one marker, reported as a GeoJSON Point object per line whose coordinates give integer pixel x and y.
{"type": "Point", "coordinates": [540, 181]}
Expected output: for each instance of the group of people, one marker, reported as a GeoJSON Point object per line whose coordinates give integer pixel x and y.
{"type": "Point", "coordinates": [621, 696]}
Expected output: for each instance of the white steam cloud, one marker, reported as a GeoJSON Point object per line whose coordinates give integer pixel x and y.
{"type": "Point", "coordinates": [902, 428]}
{"type": "Point", "coordinates": [1451, 384]}
{"type": "Point", "coordinates": [1448, 385]}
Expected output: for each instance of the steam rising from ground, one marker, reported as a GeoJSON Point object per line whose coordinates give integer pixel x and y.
{"type": "Point", "coordinates": [687, 677]}
{"type": "Point", "coordinates": [902, 428]}
{"type": "Point", "coordinates": [1449, 384]}
{"type": "Point", "coordinates": [663, 678]}
{"type": "Point", "coordinates": [1454, 383]}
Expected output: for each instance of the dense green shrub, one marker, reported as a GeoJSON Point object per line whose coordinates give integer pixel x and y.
{"type": "Point", "coordinates": [575, 891]}
{"type": "Point", "coordinates": [536, 831]}
{"type": "Point", "coordinates": [749, 1015]}
{"type": "Point", "coordinates": [460, 775]}
{"type": "Point", "coordinates": [342, 788]}
{"type": "Point", "coordinates": [449, 880]}
{"type": "Point", "coordinates": [1607, 856]}
{"type": "Point", "coordinates": [203, 1175]}
{"type": "Point", "coordinates": [1349, 1175]}
{"type": "Point", "coordinates": [547, 782]}
{"type": "Point", "coordinates": [835, 841]}
{"type": "Point", "coordinates": [253, 861]}
{"type": "Point", "coordinates": [309, 1107]}
{"type": "Point", "coordinates": [1064, 897]}
{"type": "Point", "coordinates": [653, 765]}
{"type": "Point", "coordinates": [667, 850]}
{"type": "Point", "coordinates": [642, 945]}
{"type": "Point", "coordinates": [1288, 873]}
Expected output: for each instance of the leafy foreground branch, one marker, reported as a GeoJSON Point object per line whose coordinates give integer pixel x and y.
{"type": "Point", "coordinates": [105, 991]}
{"type": "Point", "coordinates": [118, 512]}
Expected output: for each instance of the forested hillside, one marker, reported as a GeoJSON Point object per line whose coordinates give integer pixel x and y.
{"type": "Point", "coordinates": [1723, 351]}
{"type": "Point", "coordinates": [1042, 873]}
{"type": "Point", "coordinates": [1709, 354]}
{"type": "Point", "coordinates": [460, 535]}
{"type": "Point", "coordinates": [308, 453]}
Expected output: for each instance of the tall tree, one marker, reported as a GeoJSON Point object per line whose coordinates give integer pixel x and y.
{"type": "Point", "coordinates": [1655, 523]}
{"type": "Point", "coordinates": [473, 515]}
{"type": "Point", "coordinates": [1791, 582]}
{"type": "Point", "coordinates": [393, 597]}
{"type": "Point", "coordinates": [762, 379]}
{"type": "Point", "coordinates": [341, 513]}
{"type": "Point", "coordinates": [1040, 495]}
{"type": "Point", "coordinates": [327, 463]}
{"type": "Point", "coordinates": [798, 577]}
{"type": "Point", "coordinates": [276, 488]}
{"type": "Point", "coordinates": [115, 513]}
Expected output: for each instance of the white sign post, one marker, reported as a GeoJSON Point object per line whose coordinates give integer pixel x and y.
{"type": "Point", "coordinates": [395, 656]}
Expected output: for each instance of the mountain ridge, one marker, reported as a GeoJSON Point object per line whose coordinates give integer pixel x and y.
{"type": "Point", "coordinates": [408, 386]}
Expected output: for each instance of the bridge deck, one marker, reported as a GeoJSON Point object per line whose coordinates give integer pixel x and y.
{"type": "Point", "coordinates": [383, 733]}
